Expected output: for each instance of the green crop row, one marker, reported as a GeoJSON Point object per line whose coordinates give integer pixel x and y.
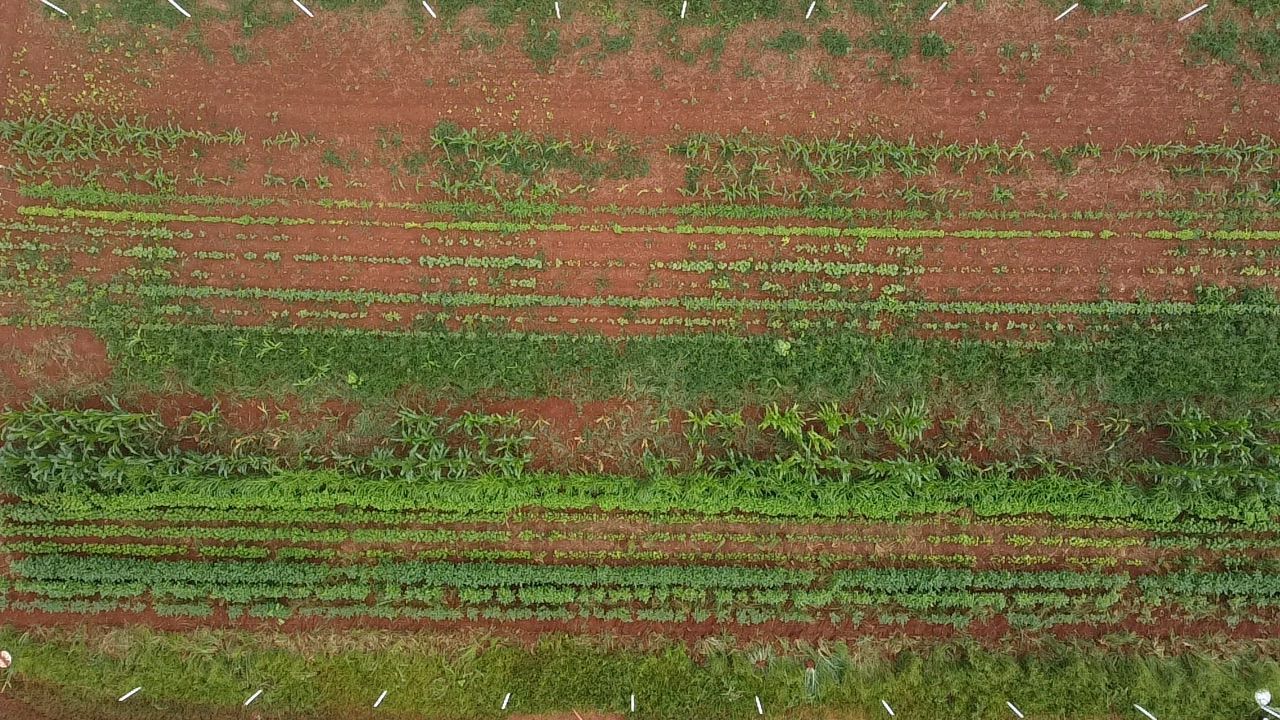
{"type": "Point", "coordinates": [74, 451]}
{"type": "Point", "coordinates": [113, 450]}
{"type": "Point", "coordinates": [745, 595]}
{"type": "Point", "coordinates": [1233, 357]}
{"type": "Point", "coordinates": [506, 227]}
{"type": "Point", "coordinates": [93, 195]}
{"type": "Point", "coordinates": [401, 543]}
{"type": "Point", "coordinates": [749, 167]}
{"type": "Point", "coordinates": [831, 269]}
{"type": "Point", "coordinates": [1266, 307]}
{"type": "Point", "coordinates": [84, 136]}
{"type": "Point", "coordinates": [888, 495]}
{"type": "Point", "coordinates": [283, 576]}
{"type": "Point", "coordinates": [131, 216]}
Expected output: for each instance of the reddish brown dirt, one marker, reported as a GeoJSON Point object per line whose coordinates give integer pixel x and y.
{"type": "Point", "coordinates": [32, 358]}
{"type": "Point", "coordinates": [1097, 80]}
{"type": "Point", "coordinates": [1115, 79]}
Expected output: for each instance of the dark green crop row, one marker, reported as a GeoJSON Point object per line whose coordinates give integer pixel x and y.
{"type": "Point", "coordinates": [456, 552]}
{"type": "Point", "coordinates": [474, 163]}
{"type": "Point", "coordinates": [83, 136]}
{"type": "Point", "coordinates": [743, 595]}
{"type": "Point", "coordinates": [291, 534]}
{"type": "Point", "coordinates": [1231, 357]}
{"type": "Point", "coordinates": [282, 575]}
{"type": "Point", "coordinates": [991, 493]}
{"type": "Point", "coordinates": [84, 450]}
{"type": "Point", "coordinates": [885, 306]}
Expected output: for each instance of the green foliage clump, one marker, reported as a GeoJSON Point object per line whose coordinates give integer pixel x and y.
{"type": "Point", "coordinates": [888, 39]}
{"type": "Point", "coordinates": [47, 450]}
{"type": "Point", "coordinates": [1259, 8]}
{"type": "Point", "coordinates": [1217, 39]}
{"type": "Point", "coordinates": [615, 43]}
{"type": "Point", "coordinates": [1266, 44]}
{"type": "Point", "coordinates": [933, 46]}
{"type": "Point", "coordinates": [541, 45]}
{"type": "Point", "coordinates": [835, 42]}
{"type": "Point", "coordinates": [788, 41]}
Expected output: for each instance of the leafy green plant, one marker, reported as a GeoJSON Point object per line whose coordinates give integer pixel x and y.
{"type": "Point", "coordinates": [102, 450]}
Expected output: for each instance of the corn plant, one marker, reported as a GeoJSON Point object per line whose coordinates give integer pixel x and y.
{"type": "Point", "coordinates": [68, 450]}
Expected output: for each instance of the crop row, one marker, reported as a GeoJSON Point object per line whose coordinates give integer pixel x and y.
{"type": "Point", "coordinates": [745, 595]}
{"type": "Point", "coordinates": [162, 253]}
{"type": "Point", "coordinates": [783, 493]}
{"type": "Point", "coordinates": [835, 157]}
{"type": "Point", "coordinates": [889, 306]}
{"type": "Point", "coordinates": [520, 167]}
{"type": "Point", "coordinates": [455, 552]}
{"type": "Point", "coordinates": [780, 231]}
{"type": "Point", "coordinates": [29, 530]}
{"type": "Point", "coordinates": [278, 515]}
{"type": "Point", "coordinates": [475, 321]}
{"type": "Point", "coordinates": [47, 449]}
{"type": "Point", "coordinates": [92, 195]}
{"type": "Point", "coordinates": [83, 136]}
{"type": "Point", "coordinates": [747, 167]}
{"type": "Point", "coordinates": [681, 615]}
{"type": "Point", "coordinates": [1261, 303]}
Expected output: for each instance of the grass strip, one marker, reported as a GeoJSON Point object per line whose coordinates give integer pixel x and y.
{"type": "Point", "coordinates": [1232, 358]}
{"type": "Point", "coordinates": [209, 674]}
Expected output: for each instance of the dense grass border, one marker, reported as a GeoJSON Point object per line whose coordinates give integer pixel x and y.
{"type": "Point", "coordinates": [1230, 359]}
{"type": "Point", "coordinates": [325, 675]}
{"type": "Point", "coordinates": [986, 493]}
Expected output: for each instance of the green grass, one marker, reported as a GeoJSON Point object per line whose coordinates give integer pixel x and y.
{"type": "Point", "coordinates": [1267, 46]}
{"type": "Point", "coordinates": [1216, 39]}
{"type": "Point", "coordinates": [145, 12]}
{"type": "Point", "coordinates": [835, 42]}
{"type": "Point", "coordinates": [1232, 359]}
{"type": "Point", "coordinates": [934, 47]}
{"type": "Point", "coordinates": [873, 9]}
{"type": "Point", "coordinates": [788, 41]}
{"type": "Point", "coordinates": [332, 159]}
{"type": "Point", "coordinates": [1260, 8]}
{"type": "Point", "coordinates": [613, 44]}
{"type": "Point", "coordinates": [888, 39]}
{"type": "Point", "coordinates": [80, 674]}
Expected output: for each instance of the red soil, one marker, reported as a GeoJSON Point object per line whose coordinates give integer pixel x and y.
{"type": "Point", "coordinates": [1113, 80]}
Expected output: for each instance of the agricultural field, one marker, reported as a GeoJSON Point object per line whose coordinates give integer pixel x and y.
{"type": "Point", "coordinates": [603, 359]}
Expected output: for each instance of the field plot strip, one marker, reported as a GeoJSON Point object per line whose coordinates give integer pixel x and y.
{"type": "Point", "coordinates": [703, 572]}
{"type": "Point", "coordinates": [670, 359]}
{"type": "Point", "coordinates": [744, 278]}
